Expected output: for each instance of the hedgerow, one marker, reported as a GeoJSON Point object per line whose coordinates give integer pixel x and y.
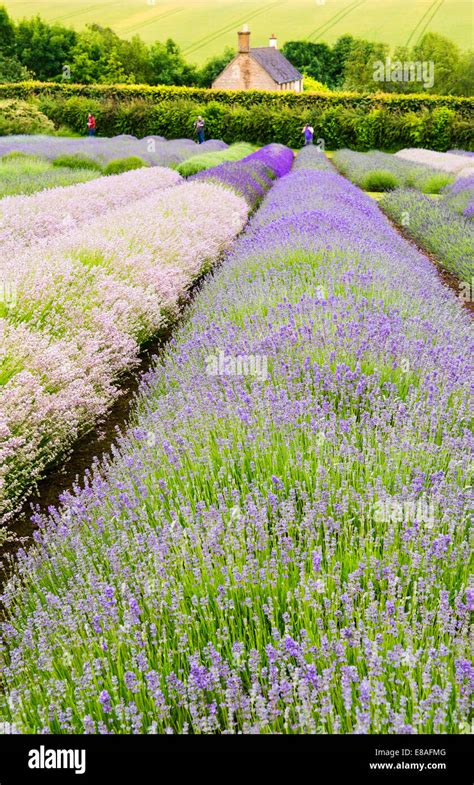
{"type": "Point", "coordinates": [362, 122]}
{"type": "Point", "coordinates": [248, 98]}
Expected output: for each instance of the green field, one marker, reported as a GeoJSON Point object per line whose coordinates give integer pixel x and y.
{"type": "Point", "coordinates": [204, 27]}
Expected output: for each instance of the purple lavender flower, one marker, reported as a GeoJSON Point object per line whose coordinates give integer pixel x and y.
{"type": "Point", "coordinates": [105, 700]}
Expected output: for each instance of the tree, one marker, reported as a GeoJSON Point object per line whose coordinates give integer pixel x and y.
{"type": "Point", "coordinates": [360, 67]}
{"type": "Point", "coordinates": [101, 56]}
{"type": "Point", "coordinates": [168, 66]}
{"type": "Point", "coordinates": [36, 49]}
{"type": "Point", "coordinates": [463, 77]}
{"type": "Point", "coordinates": [7, 33]}
{"type": "Point", "coordinates": [341, 52]}
{"type": "Point", "coordinates": [90, 56]}
{"type": "Point", "coordinates": [213, 67]}
{"type": "Point", "coordinates": [11, 70]}
{"type": "Point", "coordinates": [135, 59]}
{"type": "Point", "coordinates": [312, 59]}
{"type": "Point", "coordinates": [401, 54]}
{"type": "Point", "coordinates": [44, 49]}
{"type": "Point", "coordinates": [445, 56]}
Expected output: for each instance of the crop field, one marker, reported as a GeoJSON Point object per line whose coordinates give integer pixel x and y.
{"type": "Point", "coordinates": [278, 542]}
{"type": "Point", "coordinates": [153, 150]}
{"type": "Point", "coordinates": [203, 28]}
{"type": "Point", "coordinates": [25, 174]}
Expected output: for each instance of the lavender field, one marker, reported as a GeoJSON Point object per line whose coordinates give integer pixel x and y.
{"type": "Point", "coordinates": [279, 541]}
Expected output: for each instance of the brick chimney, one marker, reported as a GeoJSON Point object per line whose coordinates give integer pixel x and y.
{"type": "Point", "coordinates": [244, 40]}
{"type": "Point", "coordinates": [273, 42]}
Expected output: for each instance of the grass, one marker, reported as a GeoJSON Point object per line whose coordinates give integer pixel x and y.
{"type": "Point", "coordinates": [119, 165]}
{"type": "Point", "coordinates": [380, 180]}
{"type": "Point", "coordinates": [378, 195]}
{"type": "Point", "coordinates": [204, 27]}
{"type": "Point", "coordinates": [27, 174]}
{"type": "Point", "coordinates": [197, 163]}
{"type": "Point", "coordinates": [435, 184]}
{"type": "Point", "coordinates": [77, 162]}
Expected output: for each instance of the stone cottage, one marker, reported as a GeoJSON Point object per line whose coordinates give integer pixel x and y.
{"type": "Point", "coordinates": [260, 68]}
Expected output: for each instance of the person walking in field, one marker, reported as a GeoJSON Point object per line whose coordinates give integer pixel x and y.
{"type": "Point", "coordinates": [200, 125]}
{"type": "Point", "coordinates": [308, 132]}
{"type": "Point", "coordinates": [91, 124]}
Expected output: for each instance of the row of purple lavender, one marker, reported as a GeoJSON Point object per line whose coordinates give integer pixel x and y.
{"type": "Point", "coordinates": [443, 227]}
{"type": "Point", "coordinates": [252, 176]}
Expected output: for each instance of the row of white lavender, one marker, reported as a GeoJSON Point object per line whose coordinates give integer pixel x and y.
{"type": "Point", "coordinates": [26, 219]}
{"type": "Point", "coordinates": [88, 273]}
{"type": "Point", "coordinates": [277, 552]}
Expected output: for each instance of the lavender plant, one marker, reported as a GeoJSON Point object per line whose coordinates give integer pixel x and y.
{"type": "Point", "coordinates": [276, 156]}
{"type": "Point", "coordinates": [28, 174]}
{"type": "Point", "coordinates": [460, 196]}
{"type": "Point", "coordinates": [376, 171]}
{"type": "Point", "coordinates": [445, 162]}
{"type": "Point", "coordinates": [26, 219]}
{"type": "Point", "coordinates": [252, 176]}
{"type": "Point", "coordinates": [271, 552]}
{"type": "Point", "coordinates": [198, 163]}
{"type": "Point", "coordinates": [154, 150]}
{"type": "Point", "coordinates": [436, 227]}
{"type": "Point", "coordinates": [251, 180]}
{"type": "Point", "coordinates": [311, 157]}
{"type": "Point", "coordinates": [76, 307]}
{"type": "Point", "coordinates": [79, 297]}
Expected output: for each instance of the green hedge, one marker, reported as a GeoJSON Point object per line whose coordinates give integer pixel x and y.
{"type": "Point", "coordinates": [384, 122]}
{"type": "Point", "coordinates": [405, 103]}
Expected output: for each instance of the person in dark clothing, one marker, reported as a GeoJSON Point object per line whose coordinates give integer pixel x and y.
{"type": "Point", "coordinates": [200, 126]}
